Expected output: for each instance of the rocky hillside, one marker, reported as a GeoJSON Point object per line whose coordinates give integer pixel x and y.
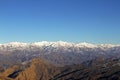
{"type": "Point", "coordinates": [38, 69]}
{"type": "Point", "coordinates": [59, 61]}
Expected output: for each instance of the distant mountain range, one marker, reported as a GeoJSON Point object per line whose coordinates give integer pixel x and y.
{"type": "Point", "coordinates": [58, 53]}
{"type": "Point", "coordinates": [59, 61]}
{"type": "Point", "coordinates": [55, 45]}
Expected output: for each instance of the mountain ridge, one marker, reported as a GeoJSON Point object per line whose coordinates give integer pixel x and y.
{"type": "Point", "coordinates": [38, 69]}
{"type": "Point", "coordinates": [57, 44]}
{"type": "Point", "coordinates": [58, 53]}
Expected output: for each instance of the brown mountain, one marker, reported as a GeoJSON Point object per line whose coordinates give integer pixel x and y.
{"type": "Point", "coordinates": [37, 69]}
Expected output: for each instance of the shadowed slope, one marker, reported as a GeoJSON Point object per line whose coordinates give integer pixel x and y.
{"type": "Point", "coordinates": [38, 69]}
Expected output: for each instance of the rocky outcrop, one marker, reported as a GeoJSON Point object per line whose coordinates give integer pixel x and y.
{"type": "Point", "coordinates": [37, 69]}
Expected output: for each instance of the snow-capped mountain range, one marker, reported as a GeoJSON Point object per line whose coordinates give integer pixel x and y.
{"type": "Point", "coordinates": [58, 44]}
{"type": "Point", "coordinates": [59, 52]}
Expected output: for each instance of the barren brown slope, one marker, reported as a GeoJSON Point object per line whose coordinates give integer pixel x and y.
{"type": "Point", "coordinates": [39, 69]}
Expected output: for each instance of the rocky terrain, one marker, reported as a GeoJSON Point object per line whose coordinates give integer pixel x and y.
{"type": "Point", "coordinates": [59, 61]}
{"type": "Point", "coordinates": [59, 53]}
{"type": "Point", "coordinates": [38, 69]}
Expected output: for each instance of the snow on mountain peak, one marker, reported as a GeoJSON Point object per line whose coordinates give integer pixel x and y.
{"type": "Point", "coordinates": [62, 43]}
{"type": "Point", "coordinates": [43, 43]}
{"type": "Point", "coordinates": [15, 44]}
{"type": "Point", "coordinates": [84, 44]}
{"type": "Point", "coordinates": [108, 45]}
{"type": "Point", "coordinates": [54, 44]}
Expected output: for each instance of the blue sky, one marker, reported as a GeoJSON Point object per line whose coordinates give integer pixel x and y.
{"type": "Point", "coordinates": [94, 21]}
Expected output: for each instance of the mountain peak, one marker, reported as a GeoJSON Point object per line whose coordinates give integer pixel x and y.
{"type": "Point", "coordinates": [85, 44]}
{"type": "Point", "coordinates": [54, 44]}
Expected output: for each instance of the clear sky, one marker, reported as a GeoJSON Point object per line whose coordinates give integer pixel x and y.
{"type": "Point", "coordinates": [94, 21]}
